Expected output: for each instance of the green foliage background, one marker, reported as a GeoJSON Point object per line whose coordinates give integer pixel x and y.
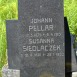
{"type": "Point", "coordinates": [70, 10]}
{"type": "Point", "coordinates": [8, 10]}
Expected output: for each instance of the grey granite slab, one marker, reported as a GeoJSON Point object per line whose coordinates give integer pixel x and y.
{"type": "Point", "coordinates": [36, 40]}
{"type": "Point", "coordinates": [13, 44]}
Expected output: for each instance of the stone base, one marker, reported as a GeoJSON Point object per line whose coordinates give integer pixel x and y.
{"type": "Point", "coordinates": [10, 72]}
{"type": "Point", "coordinates": [74, 74]}
{"type": "Point", "coordinates": [16, 73]}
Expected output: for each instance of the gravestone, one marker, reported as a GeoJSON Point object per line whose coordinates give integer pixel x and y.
{"type": "Point", "coordinates": [74, 59]}
{"type": "Point", "coordinates": [13, 43]}
{"type": "Point", "coordinates": [68, 64]}
{"type": "Point", "coordinates": [36, 41]}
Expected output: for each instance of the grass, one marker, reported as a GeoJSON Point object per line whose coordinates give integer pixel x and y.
{"type": "Point", "coordinates": [8, 10]}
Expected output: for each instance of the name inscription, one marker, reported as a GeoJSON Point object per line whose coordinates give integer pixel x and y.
{"type": "Point", "coordinates": [41, 20]}
{"type": "Point", "coordinates": [42, 39]}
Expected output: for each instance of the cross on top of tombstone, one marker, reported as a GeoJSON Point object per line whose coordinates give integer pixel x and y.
{"type": "Point", "coordinates": [36, 40]}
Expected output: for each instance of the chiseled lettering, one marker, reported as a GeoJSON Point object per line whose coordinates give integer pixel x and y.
{"type": "Point", "coordinates": [41, 28]}
{"type": "Point", "coordinates": [55, 47]}
{"type": "Point", "coordinates": [42, 48]}
{"type": "Point", "coordinates": [41, 41]}
{"type": "Point", "coordinates": [41, 20]}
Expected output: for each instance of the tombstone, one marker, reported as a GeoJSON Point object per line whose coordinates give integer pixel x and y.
{"type": "Point", "coordinates": [13, 43]}
{"type": "Point", "coordinates": [67, 49]}
{"type": "Point", "coordinates": [70, 57]}
{"type": "Point", "coordinates": [36, 41]}
{"type": "Point", "coordinates": [74, 57]}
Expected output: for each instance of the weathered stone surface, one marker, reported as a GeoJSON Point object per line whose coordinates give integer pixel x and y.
{"type": "Point", "coordinates": [36, 40]}
{"type": "Point", "coordinates": [13, 44]}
